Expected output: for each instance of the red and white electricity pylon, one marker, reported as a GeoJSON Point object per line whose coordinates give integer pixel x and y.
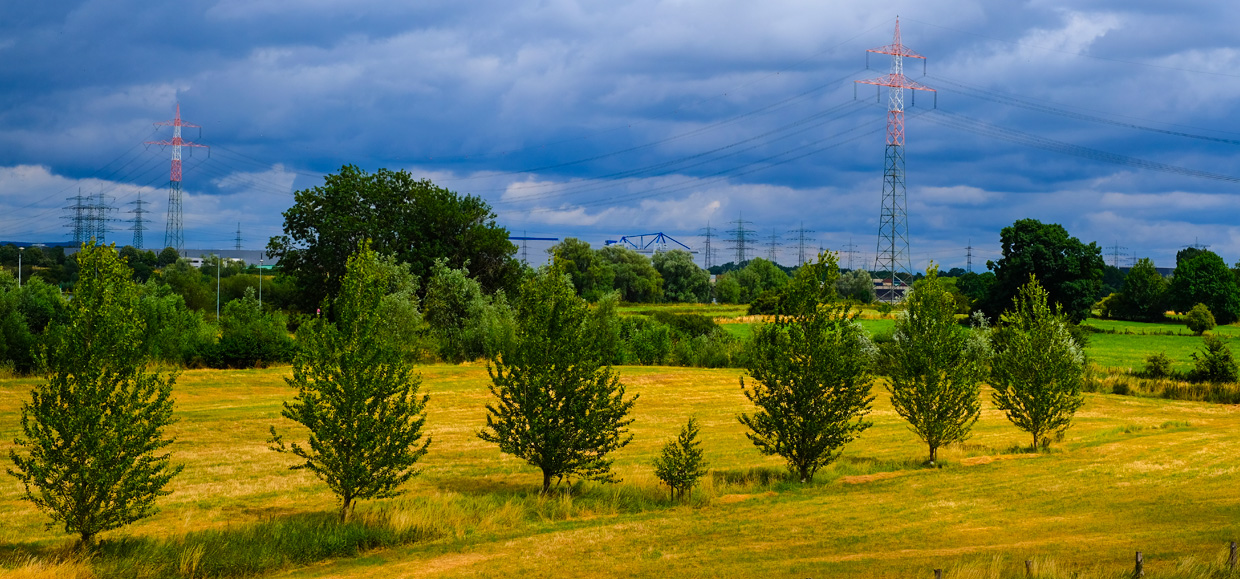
{"type": "Point", "coordinates": [174, 235]}
{"type": "Point", "coordinates": [893, 253]}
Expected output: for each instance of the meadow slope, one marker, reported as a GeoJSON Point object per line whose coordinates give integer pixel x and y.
{"type": "Point", "coordinates": [1132, 474]}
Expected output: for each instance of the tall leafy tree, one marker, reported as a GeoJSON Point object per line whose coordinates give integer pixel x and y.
{"type": "Point", "coordinates": [636, 278]}
{"type": "Point", "coordinates": [810, 375]}
{"type": "Point", "coordinates": [92, 453]}
{"type": "Point", "coordinates": [1037, 369]}
{"type": "Point", "coordinates": [1143, 296]}
{"type": "Point", "coordinates": [935, 374]}
{"type": "Point", "coordinates": [412, 219]}
{"type": "Point", "coordinates": [1069, 270]}
{"type": "Point", "coordinates": [1205, 278]}
{"type": "Point", "coordinates": [557, 404]}
{"type": "Point", "coordinates": [683, 280]}
{"type": "Point", "coordinates": [356, 393]}
{"type": "Point", "coordinates": [592, 277]}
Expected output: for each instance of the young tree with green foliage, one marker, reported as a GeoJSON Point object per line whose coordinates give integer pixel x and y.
{"type": "Point", "coordinates": [1037, 369]}
{"type": "Point", "coordinates": [811, 377]}
{"type": "Point", "coordinates": [681, 463]}
{"type": "Point", "coordinates": [356, 394]}
{"type": "Point", "coordinates": [557, 405]}
{"type": "Point", "coordinates": [1214, 363]}
{"type": "Point", "coordinates": [935, 375]}
{"type": "Point", "coordinates": [92, 453]}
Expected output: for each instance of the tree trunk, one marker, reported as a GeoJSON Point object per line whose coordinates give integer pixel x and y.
{"type": "Point", "coordinates": [346, 509]}
{"type": "Point", "coordinates": [546, 481]}
{"type": "Point", "coordinates": [934, 453]}
{"type": "Point", "coordinates": [86, 542]}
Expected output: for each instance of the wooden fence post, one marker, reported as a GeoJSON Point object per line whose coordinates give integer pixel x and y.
{"type": "Point", "coordinates": [1231, 560]}
{"type": "Point", "coordinates": [1140, 570]}
{"type": "Point", "coordinates": [938, 574]}
{"type": "Point", "coordinates": [1028, 568]}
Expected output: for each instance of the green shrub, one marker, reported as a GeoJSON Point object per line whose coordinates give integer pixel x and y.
{"type": "Point", "coordinates": [250, 337]}
{"type": "Point", "coordinates": [1157, 365]}
{"type": "Point", "coordinates": [767, 303]}
{"type": "Point", "coordinates": [1199, 319]}
{"type": "Point", "coordinates": [648, 342]}
{"type": "Point", "coordinates": [687, 325]}
{"type": "Point", "coordinates": [1214, 363]}
{"type": "Point", "coordinates": [718, 350]}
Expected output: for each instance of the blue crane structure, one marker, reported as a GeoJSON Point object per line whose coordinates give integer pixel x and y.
{"type": "Point", "coordinates": [658, 242]}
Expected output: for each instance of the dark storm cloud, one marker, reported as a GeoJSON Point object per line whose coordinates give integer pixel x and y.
{"type": "Point", "coordinates": [598, 120]}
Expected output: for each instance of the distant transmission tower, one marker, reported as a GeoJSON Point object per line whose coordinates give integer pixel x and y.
{"type": "Point", "coordinates": [238, 239]}
{"type": "Point", "coordinates": [772, 247]}
{"type": "Point", "coordinates": [850, 250]}
{"type": "Point", "coordinates": [139, 221]}
{"type": "Point", "coordinates": [708, 233]}
{"type": "Point", "coordinates": [1116, 253]}
{"type": "Point", "coordinates": [893, 248]}
{"type": "Point", "coordinates": [740, 239]}
{"type": "Point", "coordinates": [801, 239]}
{"type": "Point", "coordinates": [97, 218]}
{"type": "Point", "coordinates": [968, 256]}
{"type": "Point", "coordinates": [78, 218]}
{"type": "Point", "coordinates": [174, 235]}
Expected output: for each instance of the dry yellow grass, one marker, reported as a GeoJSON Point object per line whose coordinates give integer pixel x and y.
{"type": "Point", "coordinates": [1132, 474]}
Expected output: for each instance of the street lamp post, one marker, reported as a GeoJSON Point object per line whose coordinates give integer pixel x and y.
{"type": "Point", "coordinates": [217, 289]}
{"type": "Point", "coordinates": [260, 281]}
{"type": "Point", "coordinates": [20, 250]}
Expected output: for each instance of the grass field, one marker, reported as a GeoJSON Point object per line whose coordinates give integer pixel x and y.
{"type": "Point", "coordinates": [1132, 474]}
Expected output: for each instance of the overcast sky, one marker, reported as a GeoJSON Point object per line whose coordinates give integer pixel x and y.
{"type": "Point", "coordinates": [602, 119]}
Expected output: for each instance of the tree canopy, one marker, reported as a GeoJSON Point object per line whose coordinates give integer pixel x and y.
{"type": "Point", "coordinates": [412, 219]}
{"type": "Point", "coordinates": [1069, 270]}
{"type": "Point", "coordinates": [1205, 278]}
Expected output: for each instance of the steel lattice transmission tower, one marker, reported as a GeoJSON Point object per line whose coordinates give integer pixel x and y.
{"type": "Point", "coordinates": [238, 239]}
{"type": "Point", "coordinates": [740, 239]}
{"type": "Point", "coordinates": [174, 235]}
{"type": "Point", "coordinates": [801, 242]}
{"type": "Point", "coordinates": [893, 254]}
{"type": "Point", "coordinates": [772, 247]}
{"type": "Point", "coordinates": [97, 219]}
{"type": "Point", "coordinates": [707, 252]}
{"type": "Point", "coordinates": [79, 218]}
{"type": "Point", "coordinates": [139, 221]}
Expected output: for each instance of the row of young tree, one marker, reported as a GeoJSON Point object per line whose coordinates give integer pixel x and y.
{"type": "Point", "coordinates": [93, 447]}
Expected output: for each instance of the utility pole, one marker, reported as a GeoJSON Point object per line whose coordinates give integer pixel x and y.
{"type": "Point", "coordinates": [968, 256]}
{"type": "Point", "coordinates": [893, 252]}
{"type": "Point", "coordinates": [174, 236]}
{"type": "Point", "coordinates": [20, 252]}
{"type": "Point", "coordinates": [217, 289]}
{"type": "Point", "coordinates": [260, 281]}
